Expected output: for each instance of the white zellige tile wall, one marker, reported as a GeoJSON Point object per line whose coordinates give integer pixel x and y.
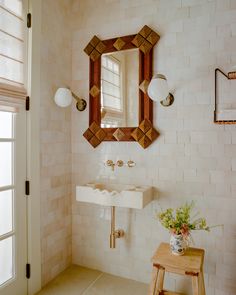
{"type": "Point", "coordinates": [55, 139]}
{"type": "Point", "coordinates": [193, 159]}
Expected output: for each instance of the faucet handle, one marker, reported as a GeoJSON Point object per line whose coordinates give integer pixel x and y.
{"type": "Point", "coordinates": [131, 163]}
{"type": "Point", "coordinates": [120, 163]}
{"type": "Point", "coordinates": [109, 163]}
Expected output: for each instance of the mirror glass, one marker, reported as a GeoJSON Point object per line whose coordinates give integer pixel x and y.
{"type": "Point", "coordinates": [120, 89]}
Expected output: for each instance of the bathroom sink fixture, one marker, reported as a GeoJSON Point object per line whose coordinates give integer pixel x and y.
{"type": "Point", "coordinates": [118, 195]}
{"type": "Point", "coordinates": [115, 195]}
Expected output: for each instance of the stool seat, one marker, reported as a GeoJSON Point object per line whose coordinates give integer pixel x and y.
{"type": "Point", "coordinates": [190, 264]}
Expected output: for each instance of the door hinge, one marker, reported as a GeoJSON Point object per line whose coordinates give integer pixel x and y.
{"type": "Point", "coordinates": [28, 271]}
{"type": "Point", "coordinates": [27, 188]}
{"type": "Point", "coordinates": [27, 103]}
{"type": "Point", "coordinates": [29, 20]}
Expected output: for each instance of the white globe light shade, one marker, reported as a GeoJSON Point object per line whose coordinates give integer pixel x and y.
{"type": "Point", "coordinates": [63, 97]}
{"type": "Point", "coordinates": [158, 88]}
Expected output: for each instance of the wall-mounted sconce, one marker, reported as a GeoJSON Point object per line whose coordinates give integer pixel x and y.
{"type": "Point", "coordinates": [63, 98]}
{"type": "Point", "coordinates": [158, 90]}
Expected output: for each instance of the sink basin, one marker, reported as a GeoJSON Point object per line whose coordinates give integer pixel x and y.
{"type": "Point", "coordinates": [119, 195]}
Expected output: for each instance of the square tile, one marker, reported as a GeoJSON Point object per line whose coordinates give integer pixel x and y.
{"type": "Point", "coordinates": [73, 281]}
{"type": "Point", "coordinates": [112, 285]}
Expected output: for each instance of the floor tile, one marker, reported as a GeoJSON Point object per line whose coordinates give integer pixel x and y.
{"type": "Point", "coordinates": [73, 281]}
{"type": "Point", "coordinates": [112, 285]}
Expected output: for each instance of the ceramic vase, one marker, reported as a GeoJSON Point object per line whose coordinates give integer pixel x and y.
{"type": "Point", "coordinates": [178, 244]}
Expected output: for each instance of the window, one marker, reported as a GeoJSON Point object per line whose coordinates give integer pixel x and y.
{"type": "Point", "coordinates": [111, 92]}
{"type": "Point", "coordinates": [7, 190]}
{"type": "Point", "coordinates": [12, 51]}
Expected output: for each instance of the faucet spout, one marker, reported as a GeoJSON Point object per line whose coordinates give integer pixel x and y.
{"type": "Point", "coordinates": [111, 164]}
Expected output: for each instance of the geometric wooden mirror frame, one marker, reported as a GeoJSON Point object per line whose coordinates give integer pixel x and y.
{"type": "Point", "coordinates": [145, 133]}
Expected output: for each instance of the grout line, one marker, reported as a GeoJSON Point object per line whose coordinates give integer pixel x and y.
{"type": "Point", "coordinates": [92, 283]}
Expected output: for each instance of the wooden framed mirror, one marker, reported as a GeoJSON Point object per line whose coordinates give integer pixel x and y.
{"type": "Point", "coordinates": [120, 71]}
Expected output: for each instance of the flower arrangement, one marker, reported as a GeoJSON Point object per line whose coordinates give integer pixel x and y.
{"type": "Point", "coordinates": [180, 222]}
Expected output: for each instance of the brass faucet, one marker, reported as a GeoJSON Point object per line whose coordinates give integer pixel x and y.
{"type": "Point", "coordinates": [111, 164]}
{"type": "Point", "coordinates": [119, 163]}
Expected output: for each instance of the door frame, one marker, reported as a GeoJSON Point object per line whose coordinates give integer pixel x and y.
{"type": "Point", "coordinates": [33, 147]}
{"type": "Point", "coordinates": [17, 282]}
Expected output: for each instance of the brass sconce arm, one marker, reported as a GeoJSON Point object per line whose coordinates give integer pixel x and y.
{"type": "Point", "coordinates": [80, 104]}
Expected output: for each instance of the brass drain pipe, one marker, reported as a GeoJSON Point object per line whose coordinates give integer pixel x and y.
{"type": "Point", "coordinates": [115, 234]}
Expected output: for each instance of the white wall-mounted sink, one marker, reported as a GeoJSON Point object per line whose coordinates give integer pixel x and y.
{"type": "Point", "coordinates": [119, 195]}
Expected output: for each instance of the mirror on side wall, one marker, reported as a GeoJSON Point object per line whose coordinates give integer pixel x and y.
{"type": "Point", "coordinates": [119, 71]}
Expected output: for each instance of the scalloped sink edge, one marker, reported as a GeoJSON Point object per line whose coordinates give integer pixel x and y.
{"type": "Point", "coordinates": [119, 195]}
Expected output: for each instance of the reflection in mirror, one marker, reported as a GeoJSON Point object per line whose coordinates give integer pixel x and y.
{"type": "Point", "coordinates": [120, 89]}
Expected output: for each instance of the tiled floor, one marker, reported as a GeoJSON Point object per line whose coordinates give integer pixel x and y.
{"type": "Point", "coordinates": [77, 280]}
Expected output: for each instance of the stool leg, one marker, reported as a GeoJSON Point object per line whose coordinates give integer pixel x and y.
{"type": "Point", "coordinates": [160, 282]}
{"type": "Point", "coordinates": [153, 284]}
{"type": "Point", "coordinates": [202, 284]}
{"type": "Point", "coordinates": [195, 285]}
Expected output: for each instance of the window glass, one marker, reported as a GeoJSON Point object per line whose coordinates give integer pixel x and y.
{"type": "Point", "coordinates": [11, 47]}
{"type": "Point", "coordinates": [11, 24]}
{"type": "Point", "coordinates": [6, 260]}
{"type": "Point", "coordinates": [11, 70]}
{"type": "Point", "coordinates": [13, 5]}
{"type": "Point", "coordinates": [6, 125]}
{"type": "Point", "coordinates": [6, 173]}
{"type": "Point", "coordinates": [12, 43]}
{"type": "Point", "coordinates": [6, 212]}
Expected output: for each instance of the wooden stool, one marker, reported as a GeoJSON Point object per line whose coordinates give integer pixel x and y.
{"type": "Point", "coordinates": [190, 264]}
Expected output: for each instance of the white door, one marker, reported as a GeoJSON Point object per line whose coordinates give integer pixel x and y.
{"type": "Point", "coordinates": [13, 203]}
